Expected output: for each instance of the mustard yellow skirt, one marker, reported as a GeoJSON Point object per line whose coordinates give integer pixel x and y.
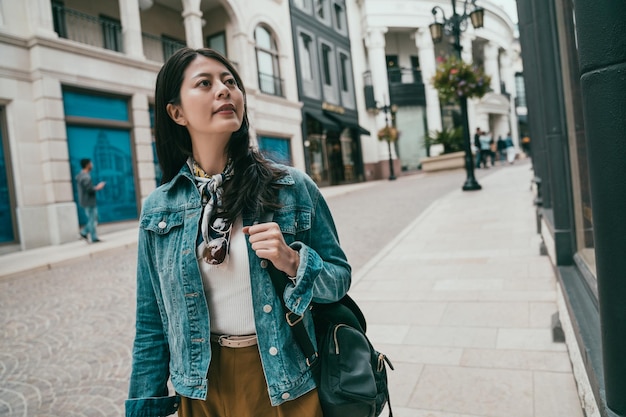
{"type": "Point", "coordinates": [237, 388]}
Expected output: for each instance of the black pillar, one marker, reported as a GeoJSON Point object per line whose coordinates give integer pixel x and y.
{"type": "Point", "coordinates": [601, 34]}
{"type": "Point", "coordinates": [532, 73]}
{"type": "Point", "coordinates": [547, 116]}
{"type": "Point", "coordinates": [470, 184]}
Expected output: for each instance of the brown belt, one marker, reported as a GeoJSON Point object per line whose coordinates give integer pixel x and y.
{"type": "Point", "coordinates": [234, 341]}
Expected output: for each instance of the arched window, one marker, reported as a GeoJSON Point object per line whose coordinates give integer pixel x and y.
{"type": "Point", "coordinates": [267, 62]}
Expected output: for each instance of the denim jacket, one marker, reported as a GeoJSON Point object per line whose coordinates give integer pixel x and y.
{"type": "Point", "coordinates": [172, 322]}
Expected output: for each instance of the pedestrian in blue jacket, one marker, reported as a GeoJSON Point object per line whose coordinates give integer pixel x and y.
{"type": "Point", "coordinates": [208, 317]}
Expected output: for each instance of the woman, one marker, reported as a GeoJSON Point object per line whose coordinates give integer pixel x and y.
{"type": "Point", "coordinates": [511, 152]}
{"type": "Point", "coordinates": [208, 317]}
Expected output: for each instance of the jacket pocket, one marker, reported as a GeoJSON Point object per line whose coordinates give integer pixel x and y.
{"type": "Point", "coordinates": [166, 230]}
{"type": "Point", "coordinates": [162, 222]}
{"type": "Point", "coordinates": [294, 223]}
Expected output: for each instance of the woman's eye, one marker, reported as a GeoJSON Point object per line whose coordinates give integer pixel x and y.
{"type": "Point", "coordinates": [230, 81]}
{"type": "Point", "coordinates": [204, 83]}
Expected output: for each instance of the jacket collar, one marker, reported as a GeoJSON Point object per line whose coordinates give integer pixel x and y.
{"type": "Point", "coordinates": [185, 172]}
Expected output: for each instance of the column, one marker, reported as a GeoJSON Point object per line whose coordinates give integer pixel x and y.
{"type": "Point", "coordinates": [131, 28]}
{"type": "Point", "coordinates": [50, 201]}
{"type": "Point", "coordinates": [192, 16]}
{"type": "Point", "coordinates": [244, 47]}
{"type": "Point", "coordinates": [375, 43]}
{"type": "Point", "coordinates": [602, 67]}
{"type": "Point", "coordinates": [143, 145]}
{"type": "Point", "coordinates": [40, 16]}
{"type": "Point", "coordinates": [491, 65]}
{"type": "Point", "coordinates": [428, 65]}
{"type": "Point", "coordinates": [508, 76]}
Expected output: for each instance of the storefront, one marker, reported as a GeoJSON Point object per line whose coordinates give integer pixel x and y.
{"type": "Point", "coordinates": [332, 146]}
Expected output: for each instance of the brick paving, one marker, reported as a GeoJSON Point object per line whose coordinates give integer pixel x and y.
{"type": "Point", "coordinates": [66, 338]}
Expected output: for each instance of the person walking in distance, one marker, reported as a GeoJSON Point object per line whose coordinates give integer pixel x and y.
{"type": "Point", "coordinates": [477, 146]}
{"type": "Point", "coordinates": [209, 319]}
{"type": "Point", "coordinates": [501, 146]}
{"type": "Point", "coordinates": [87, 199]}
{"type": "Point", "coordinates": [511, 152]}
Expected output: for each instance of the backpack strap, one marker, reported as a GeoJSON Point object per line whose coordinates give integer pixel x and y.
{"type": "Point", "coordinates": [300, 334]}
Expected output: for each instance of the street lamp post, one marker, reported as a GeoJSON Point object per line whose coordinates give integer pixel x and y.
{"type": "Point", "coordinates": [389, 109]}
{"type": "Point", "coordinates": [455, 25]}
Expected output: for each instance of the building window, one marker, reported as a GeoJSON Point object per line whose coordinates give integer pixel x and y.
{"type": "Point", "coordinates": [321, 11]}
{"type": "Point", "coordinates": [218, 42]}
{"type": "Point", "coordinates": [326, 53]}
{"type": "Point", "coordinates": [58, 18]}
{"type": "Point", "coordinates": [304, 5]}
{"type": "Point", "coordinates": [343, 67]}
{"type": "Point", "coordinates": [346, 82]}
{"type": "Point", "coordinates": [393, 69]}
{"type": "Point", "coordinates": [170, 46]}
{"type": "Point", "coordinates": [329, 72]}
{"type": "Point", "coordinates": [267, 62]}
{"type": "Point", "coordinates": [417, 71]}
{"type": "Point", "coordinates": [111, 33]}
{"type": "Point", "coordinates": [306, 57]}
{"type": "Point", "coordinates": [340, 18]}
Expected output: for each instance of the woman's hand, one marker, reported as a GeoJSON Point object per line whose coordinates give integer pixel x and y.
{"type": "Point", "coordinates": [268, 243]}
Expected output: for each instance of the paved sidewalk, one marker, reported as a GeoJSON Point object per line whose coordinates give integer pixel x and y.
{"type": "Point", "coordinates": [462, 302]}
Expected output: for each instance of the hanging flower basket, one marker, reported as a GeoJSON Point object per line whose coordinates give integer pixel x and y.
{"type": "Point", "coordinates": [454, 78]}
{"type": "Point", "coordinates": [388, 134]}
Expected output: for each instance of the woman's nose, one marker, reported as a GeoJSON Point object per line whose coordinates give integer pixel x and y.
{"type": "Point", "coordinates": [222, 90]}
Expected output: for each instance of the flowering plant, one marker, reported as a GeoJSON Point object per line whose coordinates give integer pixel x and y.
{"type": "Point", "coordinates": [388, 133]}
{"type": "Point", "coordinates": [454, 78]}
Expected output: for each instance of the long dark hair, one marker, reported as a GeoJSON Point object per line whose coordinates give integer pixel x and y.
{"type": "Point", "coordinates": [251, 187]}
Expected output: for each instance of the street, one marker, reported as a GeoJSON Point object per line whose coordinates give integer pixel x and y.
{"type": "Point", "coordinates": [66, 332]}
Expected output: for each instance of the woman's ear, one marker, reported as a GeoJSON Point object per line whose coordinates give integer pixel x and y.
{"type": "Point", "coordinates": [176, 114]}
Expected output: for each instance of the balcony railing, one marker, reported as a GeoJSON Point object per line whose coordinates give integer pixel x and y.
{"type": "Point", "coordinates": [270, 84]}
{"type": "Point", "coordinates": [159, 49]}
{"type": "Point", "coordinates": [77, 26]}
{"type": "Point", "coordinates": [405, 88]}
{"type": "Point", "coordinates": [404, 76]}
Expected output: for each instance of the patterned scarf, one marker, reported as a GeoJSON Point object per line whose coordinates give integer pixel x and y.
{"type": "Point", "coordinates": [215, 229]}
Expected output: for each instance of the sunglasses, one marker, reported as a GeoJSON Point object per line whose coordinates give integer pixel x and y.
{"type": "Point", "coordinates": [216, 250]}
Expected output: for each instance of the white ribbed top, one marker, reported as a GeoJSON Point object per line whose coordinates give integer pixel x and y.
{"type": "Point", "coordinates": [227, 288]}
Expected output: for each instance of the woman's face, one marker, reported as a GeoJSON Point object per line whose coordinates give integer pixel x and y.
{"type": "Point", "coordinates": [210, 100]}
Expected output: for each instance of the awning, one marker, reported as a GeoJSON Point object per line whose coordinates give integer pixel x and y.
{"type": "Point", "coordinates": [326, 122]}
{"type": "Point", "coordinates": [345, 122]}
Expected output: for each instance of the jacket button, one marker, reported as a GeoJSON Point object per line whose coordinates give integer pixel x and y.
{"type": "Point", "coordinates": [162, 225]}
{"type": "Point", "coordinates": [285, 396]}
{"type": "Point", "coordinates": [267, 308]}
{"type": "Point", "coordinates": [273, 351]}
{"type": "Point", "coordinates": [264, 263]}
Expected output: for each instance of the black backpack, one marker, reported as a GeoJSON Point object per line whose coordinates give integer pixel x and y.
{"type": "Point", "coordinates": [351, 375]}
